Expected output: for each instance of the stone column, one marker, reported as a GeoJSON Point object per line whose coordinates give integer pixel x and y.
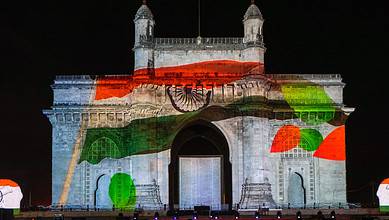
{"type": "Point", "coordinates": [257, 190]}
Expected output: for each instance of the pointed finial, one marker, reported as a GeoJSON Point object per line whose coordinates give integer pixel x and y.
{"type": "Point", "coordinates": [252, 2]}
{"type": "Point", "coordinates": [199, 20]}
{"type": "Point", "coordinates": [144, 2]}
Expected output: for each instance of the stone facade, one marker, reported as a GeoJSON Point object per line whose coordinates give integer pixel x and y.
{"type": "Point", "coordinates": [87, 110]}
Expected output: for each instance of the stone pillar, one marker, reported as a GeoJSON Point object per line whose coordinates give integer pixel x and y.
{"type": "Point", "coordinates": [256, 191]}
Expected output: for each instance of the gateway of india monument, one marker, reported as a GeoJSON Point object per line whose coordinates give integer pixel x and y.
{"type": "Point", "coordinates": [198, 122]}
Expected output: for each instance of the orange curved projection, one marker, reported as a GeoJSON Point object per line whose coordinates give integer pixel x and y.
{"type": "Point", "coordinates": [7, 182]}
{"type": "Point", "coordinates": [208, 74]}
{"type": "Point", "coordinates": [287, 137]}
{"type": "Point", "coordinates": [333, 146]}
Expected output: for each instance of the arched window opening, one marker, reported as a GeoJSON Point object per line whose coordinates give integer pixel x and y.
{"type": "Point", "coordinates": [102, 148]}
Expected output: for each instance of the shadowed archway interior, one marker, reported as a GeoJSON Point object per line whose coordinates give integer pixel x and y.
{"type": "Point", "coordinates": [200, 138]}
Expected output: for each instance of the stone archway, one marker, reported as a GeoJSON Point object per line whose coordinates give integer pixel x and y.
{"type": "Point", "coordinates": [200, 139]}
{"type": "Point", "coordinates": [296, 190]}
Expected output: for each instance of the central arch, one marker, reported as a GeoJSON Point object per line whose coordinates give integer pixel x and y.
{"type": "Point", "coordinates": [201, 139]}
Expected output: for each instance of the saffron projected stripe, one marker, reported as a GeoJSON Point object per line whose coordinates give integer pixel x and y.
{"type": "Point", "coordinates": [203, 73]}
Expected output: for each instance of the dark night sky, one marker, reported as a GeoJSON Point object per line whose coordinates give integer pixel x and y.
{"type": "Point", "coordinates": [40, 39]}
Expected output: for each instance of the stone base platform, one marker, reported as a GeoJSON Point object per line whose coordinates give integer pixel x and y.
{"type": "Point", "coordinates": [359, 214]}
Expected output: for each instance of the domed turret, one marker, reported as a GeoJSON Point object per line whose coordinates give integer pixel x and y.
{"type": "Point", "coordinates": [253, 22]}
{"type": "Point", "coordinates": [144, 37]}
{"type": "Point", "coordinates": [144, 25]}
{"type": "Point", "coordinates": [144, 12]}
{"type": "Point", "coordinates": [252, 13]}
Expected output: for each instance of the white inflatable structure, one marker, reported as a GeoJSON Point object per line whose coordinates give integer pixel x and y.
{"type": "Point", "coordinates": [383, 195]}
{"type": "Point", "coordinates": [10, 194]}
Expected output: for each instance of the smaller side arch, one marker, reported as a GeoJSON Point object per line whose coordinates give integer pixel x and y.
{"type": "Point", "coordinates": [296, 190]}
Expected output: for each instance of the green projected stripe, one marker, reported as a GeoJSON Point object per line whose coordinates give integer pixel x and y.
{"type": "Point", "coordinates": [141, 136]}
{"type": "Point", "coordinates": [309, 98]}
{"type": "Point", "coordinates": [153, 135]}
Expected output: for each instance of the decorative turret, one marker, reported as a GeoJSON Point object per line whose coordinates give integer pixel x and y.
{"type": "Point", "coordinates": [144, 38]}
{"type": "Point", "coordinates": [144, 26]}
{"type": "Point", "coordinates": [253, 22]}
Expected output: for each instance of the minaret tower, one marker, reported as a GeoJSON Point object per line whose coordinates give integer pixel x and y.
{"type": "Point", "coordinates": [253, 22]}
{"type": "Point", "coordinates": [253, 39]}
{"type": "Point", "coordinates": [144, 37]}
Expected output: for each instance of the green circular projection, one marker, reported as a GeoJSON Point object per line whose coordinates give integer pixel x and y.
{"type": "Point", "coordinates": [122, 191]}
{"type": "Point", "coordinates": [310, 139]}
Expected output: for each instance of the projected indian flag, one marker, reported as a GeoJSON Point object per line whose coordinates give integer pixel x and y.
{"type": "Point", "coordinates": [190, 89]}
{"type": "Point", "coordinates": [10, 194]}
{"type": "Point", "coordinates": [383, 195]}
{"type": "Point", "coordinates": [192, 98]}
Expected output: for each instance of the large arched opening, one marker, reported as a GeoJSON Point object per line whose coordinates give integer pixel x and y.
{"type": "Point", "coordinates": [200, 142]}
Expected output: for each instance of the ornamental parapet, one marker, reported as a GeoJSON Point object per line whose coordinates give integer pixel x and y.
{"type": "Point", "coordinates": [199, 43]}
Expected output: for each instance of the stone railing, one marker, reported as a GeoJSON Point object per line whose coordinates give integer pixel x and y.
{"type": "Point", "coordinates": [72, 77]}
{"type": "Point", "coordinates": [158, 41]}
{"type": "Point", "coordinates": [89, 79]}
{"type": "Point", "coordinates": [205, 40]}
{"type": "Point", "coordinates": [199, 42]}
{"type": "Point", "coordinates": [304, 76]}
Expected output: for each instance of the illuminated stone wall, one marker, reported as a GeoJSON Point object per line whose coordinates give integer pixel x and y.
{"type": "Point", "coordinates": [113, 135]}
{"type": "Point", "coordinates": [136, 133]}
